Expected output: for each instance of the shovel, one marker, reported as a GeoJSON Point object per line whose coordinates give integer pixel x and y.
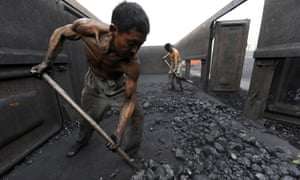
{"type": "Point", "coordinates": [88, 118]}
{"type": "Point", "coordinates": [177, 76]}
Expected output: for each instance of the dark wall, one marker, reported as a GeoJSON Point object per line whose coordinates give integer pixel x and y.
{"type": "Point", "coordinates": [151, 59]}
{"type": "Point", "coordinates": [25, 30]}
{"type": "Point", "coordinates": [195, 45]}
{"type": "Point", "coordinates": [27, 24]}
{"type": "Point", "coordinates": [30, 110]}
{"type": "Point", "coordinates": [274, 80]}
{"type": "Point", "coordinates": [279, 33]}
{"type": "Point", "coordinates": [26, 27]}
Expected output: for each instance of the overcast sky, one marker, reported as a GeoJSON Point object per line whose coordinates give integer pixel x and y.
{"type": "Point", "coordinates": [171, 20]}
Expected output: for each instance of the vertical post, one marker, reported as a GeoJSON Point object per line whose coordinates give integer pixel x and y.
{"type": "Point", "coordinates": [258, 94]}
{"type": "Point", "coordinates": [187, 68]}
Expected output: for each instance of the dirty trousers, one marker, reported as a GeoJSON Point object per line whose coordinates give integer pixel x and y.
{"type": "Point", "coordinates": [100, 95]}
{"type": "Point", "coordinates": [172, 77]}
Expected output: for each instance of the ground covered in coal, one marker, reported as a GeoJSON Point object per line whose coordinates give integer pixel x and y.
{"type": "Point", "coordinates": [285, 130]}
{"type": "Point", "coordinates": [213, 141]}
{"type": "Point", "coordinates": [187, 135]}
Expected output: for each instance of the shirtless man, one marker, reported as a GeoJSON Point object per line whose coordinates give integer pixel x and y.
{"type": "Point", "coordinates": [114, 68]}
{"type": "Point", "coordinates": [176, 65]}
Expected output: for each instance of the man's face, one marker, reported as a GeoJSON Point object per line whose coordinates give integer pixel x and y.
{"type": "Point", "coordinates": [128, 43]}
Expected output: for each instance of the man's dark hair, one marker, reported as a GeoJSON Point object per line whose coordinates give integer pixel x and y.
{"type": "Point", "coordinates": [129, 15]}
{"type": "Point", "coordinates": [168, 46]}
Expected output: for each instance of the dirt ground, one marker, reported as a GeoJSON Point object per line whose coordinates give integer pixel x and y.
{"type": "Point", "coordinates": [170, 139]}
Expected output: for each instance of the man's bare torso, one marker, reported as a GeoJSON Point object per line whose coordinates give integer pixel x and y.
{"type": "Point", "coordinates": [104, 63]}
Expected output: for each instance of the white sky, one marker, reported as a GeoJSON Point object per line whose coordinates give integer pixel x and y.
{"type": "Point", "coordinates": [171, 20]}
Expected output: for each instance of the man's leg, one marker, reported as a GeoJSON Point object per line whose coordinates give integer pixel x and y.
{"type": "Point", "coordinates": [180, 73]}
{"type": "Point", "coordinates": [180, 84]}
{"type": "Point", "coordinates": [95, 107]}
{"type": "Point", "coordinates": [171, 79]}
{"type": "Point", "coordinates": [134, 131]}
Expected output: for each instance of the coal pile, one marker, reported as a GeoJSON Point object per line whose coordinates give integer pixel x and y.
{"type": "Point", "coordinates": [287, 131]}
{"type": "Point", "coordinates": [189, 135]}
{"type": "Point", "coordinates": [213, 141]}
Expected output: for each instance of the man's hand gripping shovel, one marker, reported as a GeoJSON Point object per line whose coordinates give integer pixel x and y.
{"type": "Point", "coordinates": [88, 118]}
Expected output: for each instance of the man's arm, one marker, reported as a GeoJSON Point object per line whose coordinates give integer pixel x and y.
{"type": "Point", "coordinates": [55, 46]}
{"type": "Point", "coordinates": [166, 56]}
{"type": "Point", "coordinates": [57, 41]}
{"type": "Point", "coordinates": [81, 27]}
{"type": "Point", "coordinates": [128, 105]}
{"type": "Point", "coordinates": [89, 27]}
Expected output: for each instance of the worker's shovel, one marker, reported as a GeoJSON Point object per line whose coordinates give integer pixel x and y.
{"type": "Point", "coordinates": [92, 122]}
{"type": "Point", "coordinates": [177, 75]}
{"type": "Point", "coordinates": [182, 78]}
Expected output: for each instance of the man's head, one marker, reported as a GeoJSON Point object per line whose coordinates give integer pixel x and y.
{"type": "Point", "coordinates": [128, 15]}
{"type": "Point", "coordinates": [168, 47]}
{"type": "Point", "coordinates": [130, 26]}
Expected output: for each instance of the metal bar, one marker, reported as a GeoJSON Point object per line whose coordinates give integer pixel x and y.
{"type": "Point", "coordinates": [78, 13]}
{"type": "Point", "coordinates": [92, 122]}
{"type": "Point", "coordinates": [167, 63]}
{"type": "Point", "coordinates": [178, 77]}
{"type": "Point", "coordinates": [183, 79]}
{"type": "Point", "coordinates": [188, 68]}
{"type": "Point", "coordinates": [14, 74]}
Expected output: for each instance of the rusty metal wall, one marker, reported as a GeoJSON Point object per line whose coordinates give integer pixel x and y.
{"type": "Point", "coordinates": [30, 110]}
{"type": "Point", "coordinates": [278, 46]}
